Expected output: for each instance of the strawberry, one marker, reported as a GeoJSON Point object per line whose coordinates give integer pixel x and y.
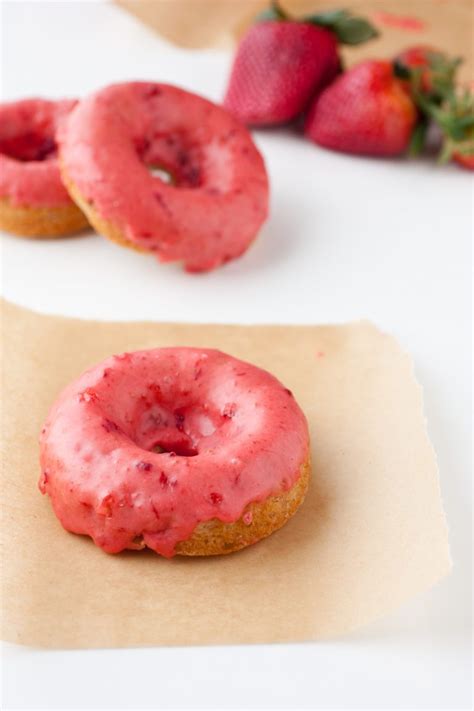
{"type": "Point", "coordinates": [430, 77]}
{"type": "Point", "coordinates": [281, 63]}
{"type": "Point", "coordinates": [367, 110]}
{"type": "Point", "coordinates": [466, 160]}
{"type": "Point", "coordinates": [435, 69]}
{"type": "Point", "coordinates": [455, 118]}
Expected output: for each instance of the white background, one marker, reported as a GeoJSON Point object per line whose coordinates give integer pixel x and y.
{"type": "Point", "coordinates": [348, 238]}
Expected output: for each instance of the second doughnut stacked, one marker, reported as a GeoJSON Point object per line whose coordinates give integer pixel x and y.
{"type": "Point", "coordinates": [151, 166]}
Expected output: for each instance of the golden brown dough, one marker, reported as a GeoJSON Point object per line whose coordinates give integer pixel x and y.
{"type": "Point", "coordinates": [41, 222]}
{"type": "Point", "coordinates": [217, 538]}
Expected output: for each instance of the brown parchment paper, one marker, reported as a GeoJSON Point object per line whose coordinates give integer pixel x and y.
{"type": "Point", "coordinates": [370, 534]}
{"type": "Point", "coordinates": [447, 24]}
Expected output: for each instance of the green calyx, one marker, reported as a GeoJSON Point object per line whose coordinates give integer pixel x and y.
{"type": "Point", "coordinates": [441, 102]}
{"type": "Point", "coordinates": [348, 28]}
{"type": "Point", "coordinates": [458, 148]}
{"type": "Point", "coordinates": [442, 73]}
{"type": "Point", "coordinates": [275, 12]}
{"type": "Point", "coordinates": [455, 117]}
{"type": "Point", "coordinates": [418, 138]}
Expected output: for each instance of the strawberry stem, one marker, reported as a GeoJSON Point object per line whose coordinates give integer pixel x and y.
{"type": "Point", "coordinates": [348, 28]}
{"type": "Point", "coordinates": [418, 138]}
{"type": "Point", "coordinates": [274, 13]}
{"type": "Point", "coordinates": [452, 111]}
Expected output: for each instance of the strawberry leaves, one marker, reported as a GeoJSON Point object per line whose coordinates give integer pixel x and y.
{"type": "Point", "coordinates": [275, 12]}
{"type": "Point", "coordinates": [456, 120]}
{"type": "Point", "coordinates": [418, 138]}
{"type": "Point", "coordinates": [434, 76]}
{"type": "Point", "coordinates": [348, 28]}
{"type": "Point", "coordinates": [434, 92]}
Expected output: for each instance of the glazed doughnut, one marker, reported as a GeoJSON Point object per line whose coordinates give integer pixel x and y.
{"type": "Point", "coordinates": [33, 199]}
{"type": "Point", "coordinates": [218, 198]}
{"type": "Point", "coordinates": [184, 450]}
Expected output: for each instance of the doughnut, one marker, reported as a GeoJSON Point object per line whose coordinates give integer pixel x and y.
{"type": "Point", "coordinates": [33, 199]}
{"type": "Point", "coordinates": [114, 146]}
{"type": "Point", "coordinates": [185, 451]}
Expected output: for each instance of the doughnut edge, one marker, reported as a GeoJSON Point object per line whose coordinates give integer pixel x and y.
{"type": "Point", "coordinates": [103, 227]}
{"type": "Point", "coordinates": [41, 222]}
{"type": "Point", "coordinates": [217, 538]}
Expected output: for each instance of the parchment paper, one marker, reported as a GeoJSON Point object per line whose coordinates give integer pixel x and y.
{"type": "Point", "coordinates": [447, 24]}
{"type": "Point", "coordinates": [371, 533]}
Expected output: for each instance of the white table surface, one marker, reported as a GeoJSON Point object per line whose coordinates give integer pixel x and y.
{"type": "Point", "coordinates": [348, 238]}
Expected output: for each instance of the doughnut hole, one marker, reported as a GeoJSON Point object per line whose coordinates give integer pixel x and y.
{"type": "Point", "coordinates": [157, 171]}
{"type": "Point", "coordinates": [184, 430]}
{"type": "Point", "coordinates": [178, 405]}
{"type": "Point", "coordinates": [30, 146]}
{"type": "Point", "coordinates": [167, 421]}
{"type": "Point", "coordinates": [171, 159]}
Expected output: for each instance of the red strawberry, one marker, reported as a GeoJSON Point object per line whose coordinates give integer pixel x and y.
{"type": "Point", "coordinates": [466, 160]}
{"type": "Point", "coordinates": [434, 69]}
{"type": "Point", "coordinates": [440, 102]}
{"type": "Point", "coordinates": [367, 110]}
{"type": "Point", "coordinates": [282, 63]}
{"type": "Point", "coordinates": [456, 119]}
{"type": "Point", "coordinates": [278, 68]}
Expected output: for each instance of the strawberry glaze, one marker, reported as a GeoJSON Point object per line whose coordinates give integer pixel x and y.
{"type": "Point", "coordinates": [220, 196]}
{"type": "Point", "coordinates": [231, 435]}
{"type": "Point", "coordinates": [29, 172]}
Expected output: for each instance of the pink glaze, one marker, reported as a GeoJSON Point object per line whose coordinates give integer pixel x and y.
{"type": "Point", "coordinates": [29, 171]}
{"type": "Point", "coordinates": [220, 196]}
{"type": "Point", "coordinates": [231, 432]}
